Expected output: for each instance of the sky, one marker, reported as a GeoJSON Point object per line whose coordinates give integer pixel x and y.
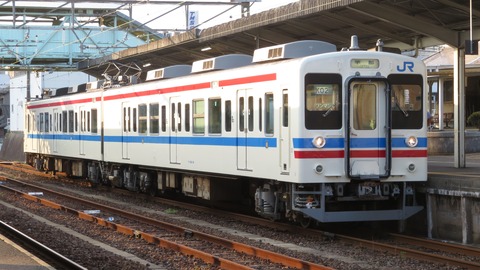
{"type": "Point", "coordinates": [208, 15]}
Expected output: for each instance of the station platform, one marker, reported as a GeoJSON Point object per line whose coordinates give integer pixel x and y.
{"type": "Point", "coordinates": [443, 174]}
{"type": "Point", "coordinates": [14, 257]}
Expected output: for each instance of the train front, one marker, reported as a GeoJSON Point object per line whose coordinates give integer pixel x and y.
{"type": "Point", "coordinates": [361, 146]}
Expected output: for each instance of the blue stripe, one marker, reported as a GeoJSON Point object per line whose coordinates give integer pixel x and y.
{"type": "Point", "coordinates": [306, 143]}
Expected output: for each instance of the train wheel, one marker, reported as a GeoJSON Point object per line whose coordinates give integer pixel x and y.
{"type": "Point", "coordinates": [305, 222]}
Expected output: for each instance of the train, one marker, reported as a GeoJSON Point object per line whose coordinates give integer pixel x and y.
{"type": "Point", "coordinates": [299, 131]}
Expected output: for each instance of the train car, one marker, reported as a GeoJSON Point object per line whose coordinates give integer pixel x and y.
{"type": "Point", "coordinates": [299, 131]}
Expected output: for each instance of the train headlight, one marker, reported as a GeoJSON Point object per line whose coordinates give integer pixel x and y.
{"type": "Point", "coordinates": [411, 141]}
{"type": "Point", "coordinates": [319, 142]}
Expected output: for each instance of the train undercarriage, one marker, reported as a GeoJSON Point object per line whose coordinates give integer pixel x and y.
{"type": "Point", "coordinates": [301, 203]}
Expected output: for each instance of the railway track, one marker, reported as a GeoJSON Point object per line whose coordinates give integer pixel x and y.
{"type": "Point", "coordinates": [211, 249]}
{"type": "Point", "coordinates": [462, 257]}
{"type": "Point", "coordinates": [54, 258]}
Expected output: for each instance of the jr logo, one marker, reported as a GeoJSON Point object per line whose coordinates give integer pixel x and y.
{"type": "Point", "coordinates": [406, 65]}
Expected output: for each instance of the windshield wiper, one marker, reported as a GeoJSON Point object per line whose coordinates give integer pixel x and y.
{"type": "Point", "coordinates": [330, 109]}
{"type": "Point", "coordinates": [400, 108]}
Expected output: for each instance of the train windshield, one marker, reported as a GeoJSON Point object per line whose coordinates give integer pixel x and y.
{"type": "Point", "coordinates": [407, 101]}
{"type": "Point", "coordinates": [323, 95]}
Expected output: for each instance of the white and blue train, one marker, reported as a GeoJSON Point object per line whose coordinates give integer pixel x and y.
{"type": "Point", "coordinates": [299, 131]}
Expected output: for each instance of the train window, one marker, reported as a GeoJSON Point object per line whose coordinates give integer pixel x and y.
{"type": "Point", "coordinates": [365, 106]}
{"type": "Point", "coordinates": [88, 121]}
{"type": "Point", "coordinates": [94, 121]}
{"type": "Point", "coordinates": [28, 123]}
{"type": "Point", "coordinates": [134, 119]}
{"type": "Point", "coordinates": [154, 118]}
{"type": "Point", "coordinates": [42, 124]}
{"type": "Point", "coordinates": [241, 111]}
{"type": "Point", "coordinates": [76, 122]}
{"type": "Point", "coordinates": [187, 117]}
{"type": "Point", "coordinates": [164, 118]}
{"type": "Point", "coordinates": [285, 109]}
{"type": "Point", "coordinates": [179, 110]}
{"type": "Point", "coordinates": [406, 101]}
{"type": "Point", "coordinates": [70, 121]}
{"type": "Point", "coordinates": [82, 121]}
{"type": "Point", "coordinates": [173, 117]}
{"type": "Point", "coordinates": [269, 113]}
{"type": "Point", "coordinates": [228, 115]}
{"type": "Point", "coordinates": [47, 123]}
{"type": "Point", "coordinates": [260, 114]}
{"type": "Point", "coordinates": [215, 116]}
{"type": "Point", "coordinates": [198, 116]}
{"type": "Point", "coordinates": [64, 121]}
{"type": "Point", "coordinates": [323, 95]}
{"type": "Point", "coordinates": [125, 119]}
{"type": "Point", "coordinates": [50, 123]}
{"type": "Point", "coordinates": [142, 118]}
{"type": "Point", "coordinates": [250, 113]}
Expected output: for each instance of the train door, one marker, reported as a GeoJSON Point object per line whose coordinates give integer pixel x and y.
{"type": "Point", "coordinates": [245, 120]}
{"type": "Point", "coordinates": [284, 134]}
{"type": "Point", "coordinates": [129, 126]}
{"type": "Point", "coordinates": [34, 138]}
{"type": "Point", "coordinates": [369, 136]}
{"type": "Point", "coordinates": [175, 128]}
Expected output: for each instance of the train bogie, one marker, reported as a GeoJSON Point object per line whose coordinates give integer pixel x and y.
{"type": "Point", "coordinates": [301, 133]}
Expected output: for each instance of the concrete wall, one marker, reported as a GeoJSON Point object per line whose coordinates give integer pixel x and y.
{"type": "Point", "coordinates": [441, 142]}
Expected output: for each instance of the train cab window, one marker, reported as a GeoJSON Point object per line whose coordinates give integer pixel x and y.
{"type": "Point", "coordinates": [228, 115]}
{"type": "Point", "coordinates": [64, 121]}
{"type": "Point", "coordinates": [164, 118]}
{"type": "Point", "coordinates": [269, 113]}
{"type": "Point", "coordinates": [198, 117]}
{"type": "Point", "coordinates": [70, 121]}
{"type": "Point", "coordinates": [215, 116]}
{"type": "Point", "coordinates": [154, 117]}
{"type": "Point", "coordinates": [142, 118]}
{"type": "Point", "coordinates": [94, 121]}
{"type": "Point", "coordinates": [187, 117]}
{"type": "Point", "coordinates": [250, 114]}
{"type": "Point", "coordinates": [323, 95]}
{"type": "Point", "coordinates": [406, 101]}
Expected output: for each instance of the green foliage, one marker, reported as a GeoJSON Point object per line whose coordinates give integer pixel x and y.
{"type": "Point", "coordinates": [474, 120]}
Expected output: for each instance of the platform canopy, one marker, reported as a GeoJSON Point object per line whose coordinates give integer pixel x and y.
{"type": "Point", "coordinates": [405, 25]}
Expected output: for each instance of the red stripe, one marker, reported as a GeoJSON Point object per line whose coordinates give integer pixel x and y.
{"type": "Point", "coordinates": [159, 91]}
{"type": "Point", "coordinates": [367, 154]}
{"type": "Point", "coordinates": [252, 79]}
{"type": "Point", "coordinates": [61, 103]}
{"type": "Point", "coordinates": [319, 154]}
{"type": "Point", "coordinates": [409, 153]}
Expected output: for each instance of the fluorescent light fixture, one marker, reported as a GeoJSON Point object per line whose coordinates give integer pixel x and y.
{"type": "Point", "coordinates": [206, 49]}
{"type": "Point", "coordinates": [147, 65]}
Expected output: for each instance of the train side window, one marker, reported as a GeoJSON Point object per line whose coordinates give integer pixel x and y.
{"type": "Point", "coordinates": [82, 121]}
{"type": "Point", "coordinates": [42, 127]}
{"type": "Point", "coordinates": [228, 115]}
{"type": "Point", "coordinates": [241, 111]}
{"type": "Point", "coordinates": [179, 110]}
{"type": "Point", "coordinates": [285, 109]}
{"type": "Point", "coordinates": [134, 117]}
{"type": "Point", "coordinates": [50, 123]}
{"type": "Point", "coordinates": [125, 119]}
{"type": "Point", "coordinates": [94, 121]}
{"type": "Point", "coordinates": [173, 117]}
{"type": "Point", "coordinates": [64, 121]}
{"type": "Point", "coordinates": [199, 116]}
{"type": "Point", "coordinates": [88, 121]}
{"type": "Point", "coordinates": [47, 123]}
{"type": "Point", "coordinates": [260, 114]}
{"type": "Point", "coordinates": [76, 122]}
{"type": "Point", "coordinates": [142, 118]}
{"type": "Point", "coordinates": [154, 118]}
{"type": "Point", "coordinates": [323, 95]}
{"type": "Point", "coordinates": [70, 121]}
{"type": "Point", "coordinates": [187, 117]}
{"type": "Point", "coordinates": [250, 114]}
{"type": "Point", "coordinates": [269, 113]}
{"type": "Point", "coordinates": [215, 116]}
{"type": "Point", "coordinates": [164, 118]}
{"type": "Point", "coordinates": [28, 123]}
